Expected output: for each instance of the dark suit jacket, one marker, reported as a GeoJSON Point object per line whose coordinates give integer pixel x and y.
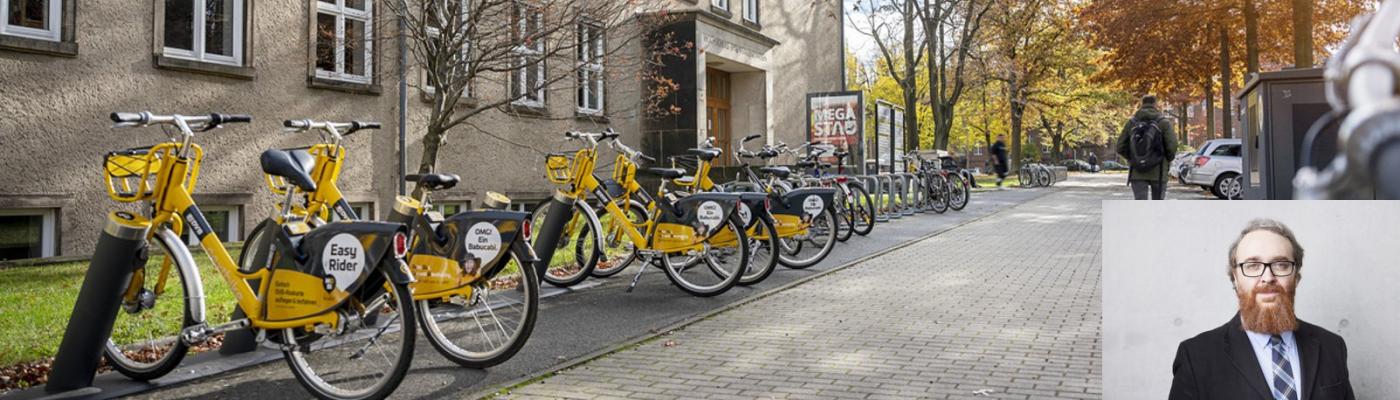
{"type": "Point", "coordinates": [1220, 364]}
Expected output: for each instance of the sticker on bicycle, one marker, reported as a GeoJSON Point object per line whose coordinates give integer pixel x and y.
{"type": "Point", "coordinates": [744, 213]}
{"type": "Point", "coordinates": [813, 205]}
{"type": "Point", "coordinates": [710, 213]}
{"type": "Point", "coordinates": [483, 240]}
{"type": "Point", "coordinates": [344, 259]}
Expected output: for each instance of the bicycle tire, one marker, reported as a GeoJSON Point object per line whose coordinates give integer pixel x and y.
{"type": "Point", "coordinates": [939, 193]}
{"type": "Point", "coordinates": [865, 210]}
{"type": "Point", "coordinates": [297, 355]}
{"type": "Point", "coordinates": [120, 359]}
{"type": "Point", "coordinates": [585, 255]}
{"type": "Point", "coordinates": [848, 220]}
{"type": "Point", "coordinates": [789, 260]}
{"type": "Point", "coordinates": [957, 199]}
{"type": "Point", "coordinates": [763, 251]}
{"type": "Point", "coordinates": [726, 281]}
{"type": "Point", "coordinates": [528, 289]}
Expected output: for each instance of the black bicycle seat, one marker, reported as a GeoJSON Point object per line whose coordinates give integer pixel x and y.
{"type": "Point", "coordinates": [294, 166]}
{"type": "Point", "coordinates": [668, 173]}
{"type": "Point", "coordinates": [780, 172]}
{"type": "Point", "coordinates": [705, 154]}
{"type": "Point", "coordinates": [434, 181]}
{"type": "Point", "coordinates": [806, 164]}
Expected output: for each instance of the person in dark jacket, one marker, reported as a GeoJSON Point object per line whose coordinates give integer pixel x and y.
{"type": "Point", "coordinates": [1265, 352]}
{"type": "Point", "coordinates": [1093, 162]}
{"type": "Point", "coordinates": [999, 159]}
{"type": "Point", "coordinates": [1154, 178]}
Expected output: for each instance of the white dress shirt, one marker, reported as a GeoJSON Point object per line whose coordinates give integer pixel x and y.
{"type": "Point", "coordinates": [1260, 341]}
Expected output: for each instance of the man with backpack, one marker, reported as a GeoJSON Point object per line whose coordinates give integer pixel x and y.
{"type": "Point", "coordinates": [1145, 142]}
{"type": "Point", "coordinates": [999, 159]}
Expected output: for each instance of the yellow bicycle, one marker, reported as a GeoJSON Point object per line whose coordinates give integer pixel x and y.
{"type": "Point", "coordinates": [332, 298]}
{"type": "Point", "coordinates": [476, 292]}
{"type": "Point", "coordinates": [705, 226]}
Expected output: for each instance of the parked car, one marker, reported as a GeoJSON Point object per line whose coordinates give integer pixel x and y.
{"type": "Point", "coordinates": [1076, 165]}
{"type": "Point", "coordinates": [1216, 167]}
{"type": "Point", "coordinates": [1111, 165]}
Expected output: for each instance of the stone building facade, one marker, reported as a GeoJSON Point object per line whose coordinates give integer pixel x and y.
{"type": "Point", "coordinates": [67, 64]}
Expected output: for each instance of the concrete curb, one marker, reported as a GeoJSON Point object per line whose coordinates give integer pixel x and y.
{"type": "Point", "coordinates": [576, 361]}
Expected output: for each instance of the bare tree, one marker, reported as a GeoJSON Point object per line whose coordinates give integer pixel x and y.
{"type": "Point", "coordinates": [962, 18]}
{"type": "Point", "coordinates": [467, 50]}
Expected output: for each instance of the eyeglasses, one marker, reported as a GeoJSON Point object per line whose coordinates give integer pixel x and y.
{"type": "Point", "coordinates": [1254, 269]}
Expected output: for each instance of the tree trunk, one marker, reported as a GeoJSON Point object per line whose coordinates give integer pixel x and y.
{"type": "Point", "coordinates": [1017, 112]}
{"type": "Point", "coordinates": [1225, 93]}
{"type": "Point", "coordinates": [1302, 33]}
{"type": "Point", "coordinates": [1251, 37]}
{"type": "Point", "coordinates": [1210, 109]}
{"type": "Point", "coordinates": [911, 85]}
{"type": "Point", "coordinates": [432, 141]}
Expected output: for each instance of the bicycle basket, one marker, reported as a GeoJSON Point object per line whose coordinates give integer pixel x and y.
{"type": "Point", "coordinates": [559, 168]}
{"type": "Point", "coordinates": [133, 174]}
{"type": "Point", "coordinates": [624, 171]}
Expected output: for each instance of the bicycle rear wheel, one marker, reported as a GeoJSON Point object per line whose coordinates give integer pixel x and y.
{"type": "Point", "coordinates": [493, 325]}
{"type": "Point", "coordinates": [723, 266]}
{"type": "Point", "coordinates": [864, 209]}
{"type": "Point", "coordinates": [958, 192]}
{"type": "Point", "coordinates": [145, 342]}
{"type": "Point", "coordinates": [938, 193]}
{"type": "Point", "coordinates": [763, 251]}
{"type": "Point", "coordinates": [368, 354]}
{"type": "Point", "coordinates": [806, 250]}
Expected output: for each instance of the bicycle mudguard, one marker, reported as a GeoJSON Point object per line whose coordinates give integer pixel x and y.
{"type": "Point", "coordinates": [751, 204]}
{"type": "Point", "coordinates": [709, 209]}
{"type": "Point", "coordinates": [479, 241]}
{"type": "Point", "coordinates": [339, 258]}
{"type": "Point", "coordinates": [804, 202]}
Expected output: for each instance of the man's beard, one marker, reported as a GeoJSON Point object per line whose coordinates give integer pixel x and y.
{"type": "Point", "coordinates": [1271, 320]}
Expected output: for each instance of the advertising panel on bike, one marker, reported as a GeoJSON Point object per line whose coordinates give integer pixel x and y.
{"type": "Point", "coordinates": [837, 119]}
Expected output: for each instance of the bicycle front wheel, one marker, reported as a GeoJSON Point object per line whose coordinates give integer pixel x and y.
{"type": "Point", "coordinates": [491, 326]}
{"type": "Point", "coordinates": [618, 249]}
{"type": "Point", "coordinates": [723, 266]}
{"type": "Point", "coordinates": [938, 193]}
{"type": "Point", "coordinates": [808, 249]}
{"type": "Point", "coordinates": [763, 251]}
{"type": "Point", "coordinates": [957, 197]}
{"type": "Point", "coordinates": [864, 209]}
{"type": "Point", "coordinates": [365, 357]}
{"type": "Point", "coordinates": [145, 342]}
{"type": "Point", "coordinates": [579, 246]}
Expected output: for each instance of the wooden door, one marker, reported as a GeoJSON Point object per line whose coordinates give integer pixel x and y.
{"type": "Point", "coordinates": [717, 115]}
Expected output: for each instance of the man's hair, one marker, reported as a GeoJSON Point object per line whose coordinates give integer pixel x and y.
{"type": "Point", "coordinates": [1265, 224]}
{"type": "Point", "coordinates": [1149, 100]}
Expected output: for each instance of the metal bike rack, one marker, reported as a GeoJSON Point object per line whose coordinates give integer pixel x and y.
{"type": "Point", "coordinates": [872, 185]}
{"type": "Point", "coordinates": [897, 203]}
{"type": "Point", "coordinates": [910, 194]}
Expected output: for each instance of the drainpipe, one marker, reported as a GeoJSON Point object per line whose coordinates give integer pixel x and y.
{"type": "Point", "coordinates": [403, 107]}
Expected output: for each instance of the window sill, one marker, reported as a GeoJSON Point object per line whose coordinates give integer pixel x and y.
{"type": "Point", "coordinates": [27, 45]}
{"type": "Point", "coordinates": [522, 110]}
{"type": "Point", "coordinates": [751, 24]}
{"type": "Point", "coordinates": [725, 13]}
{"type": "Point", "coordinates": [591, 117]}
{"type": "Point", "coordinates": [465, 102]}
{"type": "Point", "coordinates": [343, 86]}
{"type": "Point", "coordinates": [179, 64]}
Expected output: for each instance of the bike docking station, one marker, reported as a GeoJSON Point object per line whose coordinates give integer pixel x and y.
{"type": "Point", "coordinates": [559, 211]}
{"type": "Point", "coordinates": [123, 241]}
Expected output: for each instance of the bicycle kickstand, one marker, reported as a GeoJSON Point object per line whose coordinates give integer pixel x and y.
{"type": "Point", "coordinates": [646, 261]}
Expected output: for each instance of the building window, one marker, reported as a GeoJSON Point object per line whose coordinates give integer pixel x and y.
{"type": "Point", "coordinates": [223, 221]}
{"type": "Point", "coordinates": [461, 30]}
{"type": "Point", "coordinates": [527, 80]}
{"type": "Point", "coordinates": [204, 30]}
{"type": "Point", "coordinates": [27, 233]}
{"type": "Point", "coordinates": [590, 68]}
{"type": "Point", "coordinates": [977, 151]}
{"type": "Point", "coordinates": [32, 19]}
{"type": "Point", "coordinates": [450, 208]}
{"type": "Point", "coordinates": [344, 51]}
{"type": "Point", "coordinates": [720, 4]}
{"type": "Point", "coordinates": [364, 210]}
{"type": "Point", "coordinates": [750, 10]}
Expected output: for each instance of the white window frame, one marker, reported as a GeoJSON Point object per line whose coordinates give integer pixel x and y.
{"type": "Point", "coordinates": [368, 208]}
{"type": "Point", "coordinates": [48, 243]}
{"type": "Point", "coordinates": [750, 10]}
{"type": "Point", "coordinates": [977, 150]}
{"type": "Point", "coordinates": [466, 49]}
{"type": "Point", "coordinates": [523, 55]}
{"type": "Point", "coordinates": [590, 68]}
{"type": "Point", "coordinates": [52, 33]}
{"type": "Point", "coordinates": [721, 4]}
{"type": "Point", "coordinates": [197, 41]}
{"type": "Point", "coordinates": [234, 217]}
{"type": "Point", "coordinates": [342, 12]}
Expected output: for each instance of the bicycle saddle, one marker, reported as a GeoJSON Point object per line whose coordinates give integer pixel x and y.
{"type": "Point", "coordinates": [780, 172]}
{"type": "Point", "coordinates": [290, 165]}
{"type": "Point", "coordinates": [668, 173]}
{"type": "Point", "coordinates": [705, 154]}
{"type": "Point", "coordinates": [806, 164]}
{"type": "Point", "coordinates": [434, 181]}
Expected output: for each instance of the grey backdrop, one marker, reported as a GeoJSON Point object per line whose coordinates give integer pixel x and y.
{"type": "Point", "coordinates": [1164, 281]}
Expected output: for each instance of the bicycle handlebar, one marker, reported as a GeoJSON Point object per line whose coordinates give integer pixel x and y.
{"type": "Point", "coordinates": [187, 123]}
{"type": "Point", "coordinates": [336, 129]}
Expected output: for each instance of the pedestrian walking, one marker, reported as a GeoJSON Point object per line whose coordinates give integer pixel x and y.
{"type": "Point", "coordinates": [1093, 162]}
{"type": "Point", "coordinates": [999, 159]}
{"type": "Point", "coordinates": [1146, 140]}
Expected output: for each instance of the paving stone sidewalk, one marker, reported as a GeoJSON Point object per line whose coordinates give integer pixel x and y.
{"type": "Point", "coordinates": [1003, 308]}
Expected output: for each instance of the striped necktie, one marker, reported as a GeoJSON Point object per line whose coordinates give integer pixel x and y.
{"type": "Point", "coordinates": [1284, 386]}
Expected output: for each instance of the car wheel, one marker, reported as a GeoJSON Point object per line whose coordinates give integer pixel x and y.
{"type": "Point", "coordinates": [1227, 186]}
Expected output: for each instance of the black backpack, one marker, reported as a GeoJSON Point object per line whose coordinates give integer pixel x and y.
{"type": "Point", "coordinates": [1146, 146]}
